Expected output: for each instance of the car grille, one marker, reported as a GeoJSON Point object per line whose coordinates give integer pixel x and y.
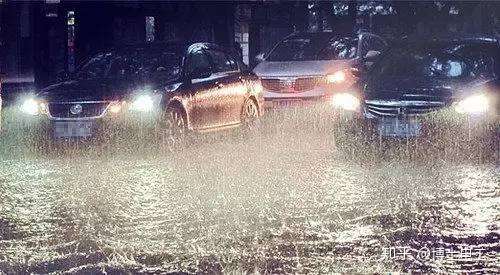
{"type": "Point", "coordinates": [401, 108]}
{"type": "Point", "coordinates": [291, 85]}
{"type": "Point", "coordinates": [88, 110]}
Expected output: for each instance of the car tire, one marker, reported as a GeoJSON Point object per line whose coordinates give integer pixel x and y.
{"type": "Point", "coordinates": [173, 130]}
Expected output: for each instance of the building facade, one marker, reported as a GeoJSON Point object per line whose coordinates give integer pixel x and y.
{"type": "Point", "coordinates": [39, 40]}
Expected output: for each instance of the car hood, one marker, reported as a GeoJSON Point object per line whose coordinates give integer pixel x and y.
{"type": "Point", "coordinates": [80, 90]}
{"type": "Point", "coordinates": [423, 88]}
{"type": "Point", "coordinates": [300, 68]}
{"type": "Point", "coordinates": [93, 90]}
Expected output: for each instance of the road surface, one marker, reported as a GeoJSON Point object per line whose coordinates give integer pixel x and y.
{"type": "Point", "coordinates": [296, 197]}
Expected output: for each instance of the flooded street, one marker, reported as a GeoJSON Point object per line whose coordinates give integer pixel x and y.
{"type": "Point", "coordinates": [296, 198]}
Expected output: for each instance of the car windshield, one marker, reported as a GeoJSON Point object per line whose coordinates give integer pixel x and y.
{"type": "Point", "coordinates": [447, 61]}
{"type": "Point", "coordinates": [96, 67]}
{"type": "Point", "coordinates": [307, 49]}
{"type": "Point", "coordinates": [165, 64]}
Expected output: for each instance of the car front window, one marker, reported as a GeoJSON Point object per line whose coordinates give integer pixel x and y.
{"type": "Point", "coordinates": [434, 63]}
{"type": "Point", "coordinates": [163, 64]}
{"type": "Point", "coordinates": [222, 61]}
{"type": "Point", "coordinates": [339, 49]}
{"type": "Point", "coordinates": [293, 49]}
{"type": "Point", "coordinates": [96, 67]}
{"type": "Point", "coordinates": [307, 49]}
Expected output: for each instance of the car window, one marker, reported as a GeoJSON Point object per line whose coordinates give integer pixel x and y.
{"type": "Point", "coordinates": [481, 60]}
{"type": "Point", "coordinates": [440, 62]}
{"type": "Point", "coordinates": [158, 64]}
{"type": "Point", "coordinates": [293, 49]}
{"type": "Point", "coordinates": [162, 65]}
{"type": "Point", "coordinates": [96, 67]}
{"type": "Point", "coordinates": [222, 62]}
{"type": "Point", "coordinates": [338, 49]}
{"type": "Point", "coordinates": [198, 60]}
{"type": "Point", "coordinates": [232, 63]}
{"type": "Point", "coordinates": [314, 48]}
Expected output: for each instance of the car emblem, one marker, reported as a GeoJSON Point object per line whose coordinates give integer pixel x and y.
{"type": "Point", "coordinates": [76, 109]}
{"type": "Point", "coordinates": [401, 111]}
{"type": "Point", "coordinates": [289, 81]}
{"type": "Point", "coordinates": [288, 84]}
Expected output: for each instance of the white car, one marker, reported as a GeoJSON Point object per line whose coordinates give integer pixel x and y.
{"type": "Point", "coordinates": [309, 67]}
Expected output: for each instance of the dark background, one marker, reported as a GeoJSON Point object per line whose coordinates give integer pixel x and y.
{"type": "Point", "coordinates": [36, 43]}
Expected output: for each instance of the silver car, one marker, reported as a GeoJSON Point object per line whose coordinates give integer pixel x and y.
{"type": "Point", "coordinates": [309, 67]}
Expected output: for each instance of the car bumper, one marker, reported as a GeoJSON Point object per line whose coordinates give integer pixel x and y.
{"type": "Point", "coordinates": [319, 94]}
{"type": "Point", "coordinates": [445, 123]}
{"type": "Point", "coordinates": [273, 103]}
{"type": "Point", "coordinates": [130, 126]}
{"type": "Point", "coordinates": [313, 93]}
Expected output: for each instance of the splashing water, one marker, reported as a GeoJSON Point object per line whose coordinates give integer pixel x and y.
{"type": "Point", "coordinates": [304, 194]}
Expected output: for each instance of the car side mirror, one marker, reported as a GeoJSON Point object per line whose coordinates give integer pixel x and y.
{"type": "Point", "coordinates": [200, 73]}
{"type": "Point", "coordinates": [371, 56]}
{"type": "Point", "coordinates": [261, 57]}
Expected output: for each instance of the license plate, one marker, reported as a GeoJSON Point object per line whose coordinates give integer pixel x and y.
{"type": "Point", "coordinates": [287, 103]}
{"type": "Point", "coordinates": [398, 127]}
{"type": "Point", "coordinates": [70, 129]}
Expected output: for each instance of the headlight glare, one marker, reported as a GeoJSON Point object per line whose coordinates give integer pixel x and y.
{"type": "Point", "coordinates": [473, 105]}
{"type": "Point", "coordinates": [336, 78]}
{"type": "Point", "coordinates": [257, 87]}
{"type": "Point", "coordinates": [346, 101]}
{"type": "Point", "coordinates": [142, 103]}
{"type": "Point", "coordinates": [115, 107]}
{"type": "Point", "coordinates": [30, 106]}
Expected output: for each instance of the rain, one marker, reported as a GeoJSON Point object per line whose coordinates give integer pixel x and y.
{"type": "Point", "coordinates": [303, 189]}
{"type": "Point", "coordinates": [295, 198]}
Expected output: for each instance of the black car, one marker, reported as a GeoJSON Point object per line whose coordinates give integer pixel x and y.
{"type": "Point", "coordinates": [198, 87]}
{"type": "Point", "coordinates": [457, 78]}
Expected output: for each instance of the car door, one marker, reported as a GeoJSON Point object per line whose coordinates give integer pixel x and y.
{"type": "Point", "coordinates": [231, 91]}
{"type": "Point", "coordinates": [201, 94]}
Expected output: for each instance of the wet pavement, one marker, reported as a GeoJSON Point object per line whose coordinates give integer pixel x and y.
{"type": "Point", "coordinates": [295, 198]}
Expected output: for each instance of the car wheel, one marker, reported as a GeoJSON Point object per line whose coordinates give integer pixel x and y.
{"type": "Point", "coordinates": [174, 130]}
{"type": "Point", "coordinates": [250, 115]}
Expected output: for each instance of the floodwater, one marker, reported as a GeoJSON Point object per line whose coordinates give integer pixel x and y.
{"type": "Point", "coordinates": [296, 197]}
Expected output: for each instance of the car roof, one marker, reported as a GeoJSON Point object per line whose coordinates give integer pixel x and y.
{"type": "Point", "coordinates": [321, 35]}
{"type": "Point", "coordinates": [157, 46]}
{"type": "Point", "coordinates": [468, 39]}
{"type": "Point", "coordinates": [175, 46]}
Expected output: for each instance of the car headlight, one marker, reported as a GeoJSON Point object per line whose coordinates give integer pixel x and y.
{"type": "Point", "coordinates": [30, 106]}
{"type": "Point", "coordinates": [337, 77]}
{"type": "Point", "coordinates": [474, 105]}
{"type": "Point", "coordinates": [346, 101]}
{"type": "Point", "coordinates": [115, 107]}
{"type": "Point", "coordinates": [144, 103]}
